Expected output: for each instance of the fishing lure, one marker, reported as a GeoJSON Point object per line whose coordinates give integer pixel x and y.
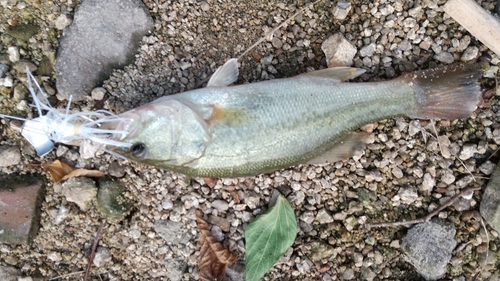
{"type": "Point", "coordinates": [63, 125]}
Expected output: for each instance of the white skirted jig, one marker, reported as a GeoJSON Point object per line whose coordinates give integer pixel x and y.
{"type": "Point", "coordinates": [63, 125]}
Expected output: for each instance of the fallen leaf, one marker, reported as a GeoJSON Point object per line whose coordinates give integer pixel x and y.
{"type": "Point", "coordinates": [58, 170]}
{"type": "Point", "coordinates": [61, 171]}
{"type": "Point", "coordinates": [268, 237]}
{"type": "Point", "coordinates": [83, 173]}
{"type": "Point", "coordinates": [213, 256]}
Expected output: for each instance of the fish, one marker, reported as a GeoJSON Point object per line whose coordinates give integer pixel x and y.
{"type": "Point", "coordinates": [226, 130]}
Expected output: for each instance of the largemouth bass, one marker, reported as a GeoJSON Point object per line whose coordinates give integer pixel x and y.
{"type": "Point", "coordinates": [244, 130]}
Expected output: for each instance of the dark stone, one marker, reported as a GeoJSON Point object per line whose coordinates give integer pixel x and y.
{"type": "Point", "coordinates": [22, 31]}
{"type": "Point", "coordinates": [111, 201]}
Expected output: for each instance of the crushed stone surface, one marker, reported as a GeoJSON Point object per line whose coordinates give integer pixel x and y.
{"type": "Point", "coordinates": [402, 174]}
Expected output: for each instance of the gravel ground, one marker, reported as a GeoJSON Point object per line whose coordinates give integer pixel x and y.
{"type": "Point", "coordinates": [401, 175]}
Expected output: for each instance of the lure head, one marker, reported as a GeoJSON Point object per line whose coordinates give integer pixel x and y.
{"type": "Point", "coordinates": [162, 133]}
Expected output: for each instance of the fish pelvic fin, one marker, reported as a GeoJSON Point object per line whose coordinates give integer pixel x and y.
{"type": "Point", "coordinates": [449, 92]}
{"type": "Point", "coordinates": [349, 145]}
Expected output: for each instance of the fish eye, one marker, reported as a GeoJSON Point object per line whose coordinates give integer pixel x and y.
{"type": "Point", "coordinates": [138, 149]}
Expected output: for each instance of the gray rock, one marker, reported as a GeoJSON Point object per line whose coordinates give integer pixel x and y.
{"type": "Point", "coordinates": [487, 167]}
{"type": "Point", "coordinates": [9, 155]}
{"type": "Point", "coordinates": [80, 191]}
{"type": "Point", "coordinates": [428, 246]}
{"type": "Point", "coordinates": [236, 271]}
{"type": "Point", "coordinates": [324, 217]}
{"type": "Point", "coordinates": [470, 53]}
{"type": "Point", "coordinates": [444, 57]}
{"type": "Point", "coordinates": [368, 50]}
{"type": "Point", "coordinates": [321, 250]}
{"type": "Point", "coordinates": [217, 233]}
{"type": "Point", "coordinates": [104, 35]}
{"type": "Point", "coordinates": [338, 50]}
{"type": "Point", "coordinates": [111, 201]}
{"type": "Point", "coordinates": [3, 69]}
{"type": "Point", "coordinates": [116, 170]}
{"type": "Point", "coordinates": [490, 204]}
{"type": "Point", "coordinates": [342, 9]}
{"type": "Point", "coordinates": [175, 269]}
{"type": "Point", "coordinates": [172, 232]}
{"type": "Point", "coordinates": [9, 273]}
{"type": "Point", "coordinates": [220, 205]}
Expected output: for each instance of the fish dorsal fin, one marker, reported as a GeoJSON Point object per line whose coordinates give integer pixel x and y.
{"type": "Point", "coordinates": [225, 75]}
{"type": "Point", "coordinates": [349, 145]}
{"type": "Point", "coordinates": [339, 73]}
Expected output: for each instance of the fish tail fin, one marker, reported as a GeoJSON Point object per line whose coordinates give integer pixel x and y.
{"type": "Point", "coordinates": [450, 92]}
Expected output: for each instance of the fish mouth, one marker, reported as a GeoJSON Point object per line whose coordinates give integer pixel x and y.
{"type": "Point", "coordinates": [126, 126]}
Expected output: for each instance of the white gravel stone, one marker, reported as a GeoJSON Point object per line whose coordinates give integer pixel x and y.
{"type": "Point", "coordinates": [324, 217]}
{"type": "Point", "coordinates": [7, 81]}
{"type": "Point", "coordinates": [408, 194]}
{"type": "Point", "coordinates": [80, 191]}
{"type": "Point", "coordinates": [220, 205]}
{"type": "Point", "coordinates": [448, 177]}
{"type": "Point", "coordinates": [307, 217]}
{"type": "Point", "coordinates": [102, 255]}
{"type": "Point", "coordinates": [9, 155]}
{"type": "Point", "coordinates": [487, 167]}
{"type": "Point", "coordinates": [62, 22]}
{"type": "Point", "coordinates": [468, 151]}
{"type": "Point", "coordinates": [368, 50]}
{"type": "Point", "coordinates": [396, 171]}
{"type": "Point", "coordinates": [470, 53]}
{"type": "Point", "coordinates": [98, 93]}
{"type": "Point", "coordinates": [14, 55]}
{"type": "Point", "coordinates": [342, 9]}
{"type": "Point", "coordinates": [338, 50]}
{"type": "Point", "coordinates": [428, 183]}
{"type": "Point", "coordinates": [444, 57]}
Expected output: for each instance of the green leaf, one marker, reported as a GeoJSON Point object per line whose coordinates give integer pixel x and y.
{"type": "Point", "coordinates": [268, 237]}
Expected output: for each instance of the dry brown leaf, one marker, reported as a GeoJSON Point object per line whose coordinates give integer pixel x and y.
{"type": "Point", "coordinates": [62, 171]}
{"type": "Point", "coordinates": [58, 170]}
{"type": "Point", "coordinates": [213, 256]}
{"type": "Point", "coordinates": [83, 173]}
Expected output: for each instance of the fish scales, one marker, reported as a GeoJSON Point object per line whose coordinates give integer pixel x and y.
{"type": "Point", "coordinates": [260, 127]}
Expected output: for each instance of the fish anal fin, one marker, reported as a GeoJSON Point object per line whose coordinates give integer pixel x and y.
{"type": "Point", "coordinates": [225, 75]}
{"type": "Point", "coordinates": [338, 73]}
{"type": "Point", "coordinates": [350, 144]}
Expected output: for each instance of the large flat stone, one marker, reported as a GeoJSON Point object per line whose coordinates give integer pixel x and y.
{"type": "Point", "coordinates": [20, 200]}
{"type": "Point", "coordinates": [104, 35]}
{"type": "Point", "coordinates": [490, 203]}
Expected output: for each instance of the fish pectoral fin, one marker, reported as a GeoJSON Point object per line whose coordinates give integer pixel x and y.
{"type": "Point", "coordinates": [227, 116]}
{"type": "Point", "coordinates": [225, 75]}
{"type": "Point", "coordinates": [350, 144]}
{"type": "Point", "coordinates": [339, 73]}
